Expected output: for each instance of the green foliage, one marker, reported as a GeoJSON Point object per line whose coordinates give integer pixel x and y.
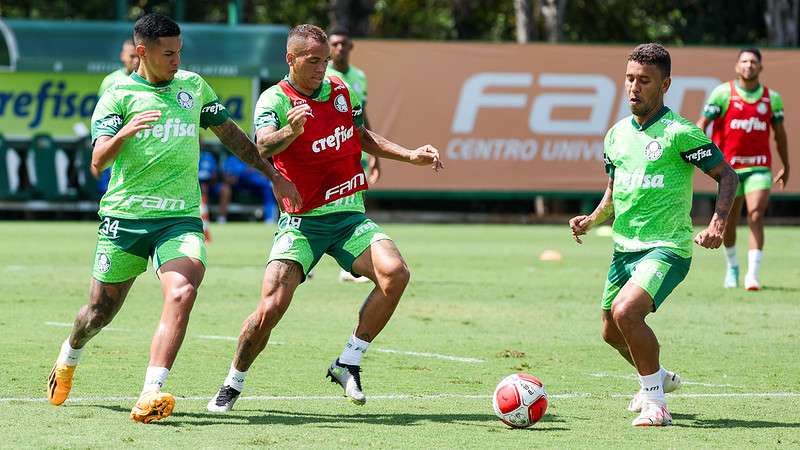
{"type": "Point", "coordinates": [476, 291]}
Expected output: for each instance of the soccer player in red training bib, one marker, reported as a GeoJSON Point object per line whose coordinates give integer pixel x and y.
{"type": "Point", "coordinates": [743, 111]}
{"type": "Point", "coordinates": [312, 127]}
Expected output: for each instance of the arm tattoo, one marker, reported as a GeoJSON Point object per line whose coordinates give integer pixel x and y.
{"type": "Point", "coordinates": [271, 141]}
{"type": "Point", "coordinates": [728, 182]}
{"type": "Point", "coordinates": [236, 141]}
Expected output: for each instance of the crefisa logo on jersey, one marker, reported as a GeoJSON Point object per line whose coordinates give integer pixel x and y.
{"type": "Point", "coordinates": [340, 103]}
{"type": "Point", "coordinates": [653, 151]}
{"type": "Point", "coordinates": [185, 99]}
{"type": "Point", "coordinates": [103, 263]}
{"type": "Point", "coordinates": [761, 108]}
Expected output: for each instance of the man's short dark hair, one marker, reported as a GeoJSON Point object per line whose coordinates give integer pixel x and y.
{"type": "Point", "coordinates": [752, 50]}
{"type": "Point", "coordinates": [339, 31]}
{"type": "Point", "coordinates": [652, 54]}
{"type": "Point", "coordinates": [152, 26]}
{"type": "Point", "coordinates": [308, 31]}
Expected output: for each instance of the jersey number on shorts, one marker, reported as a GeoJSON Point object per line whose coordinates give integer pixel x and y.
{"type": "Point", "coordinates": [109, 227]}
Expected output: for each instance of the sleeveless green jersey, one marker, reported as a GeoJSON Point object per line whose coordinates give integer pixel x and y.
{"type": "Point", "coordinates": [652, 167]}
{"type": "Point", "coordinates": [155, 172]}
{"type": "Point", "coordinates": [271, 110]}
{"type": "Point", "coordinates": [720, 98]}
{"type": "Point", "coordinates": [112, 79]}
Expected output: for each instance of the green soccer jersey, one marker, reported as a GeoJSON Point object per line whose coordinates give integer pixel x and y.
{"type": "Point", "coordinates": [271, 110]}
{"type": "Point", "coordinates": [717, 103]}
{"type": "Point", "coordinates": [112, 79]}
{"type": "Point", "coordinates": [652, 167]}
{"type": "Point", "coordinates": [155, 172]}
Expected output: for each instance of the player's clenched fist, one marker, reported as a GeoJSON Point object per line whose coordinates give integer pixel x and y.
{"type": "Point", "coordinates": [297, 117]}
{"type": "Point", "coordinates": [139, 122]}
{"type": "Point", "coordinates": [579, 225]}
{"type": "Point", "coordinates": [709, 238]}
{"type": "Point", "coordinates": [427, 154]}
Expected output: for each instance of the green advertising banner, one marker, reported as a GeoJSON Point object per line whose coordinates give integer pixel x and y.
{"type": "Point", "coordinates": [62, 103]}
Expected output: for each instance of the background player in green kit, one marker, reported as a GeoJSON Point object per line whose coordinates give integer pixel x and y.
{"type": "Point", "coordinates": [650, 159]}
{"type": "Point", "coordinates": [339, 65]}
{"type": "Point", "coordinates": [746, 101]}
{"type": "Point", "coordinates": [310, 141]}
{"type": "Point", "coordinates": [147, 129]}
{"type": "Point", "coordinates": [130, 62]}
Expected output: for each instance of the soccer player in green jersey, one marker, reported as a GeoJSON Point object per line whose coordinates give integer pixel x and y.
{"type": "Point", "coordinates": [292, 120]}
{"type": "Point", "coordinates": [650, 159]}
{"type": "Point", "coordinates": [341, 47]}
{"type": "Point", "coordinates": [147, 129]}
{"type": "Point", "coordinates": [745, 101]}
{"type": "Point", "coordinates": [130, 61]}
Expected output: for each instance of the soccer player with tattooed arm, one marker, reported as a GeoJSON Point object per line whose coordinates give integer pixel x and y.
{"type": "Point", "coordinates": [650, 159]}
{"type": "Point", "coordinates": [311, 126]}
{"type": "Point", "coordinates": [146, 128]}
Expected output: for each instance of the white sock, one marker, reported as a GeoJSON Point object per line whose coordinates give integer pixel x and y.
{"type": "Point", "coordinates": [664, 373]}
{"type": "Point", "coordinates": [730, 256]}
{"type": "Point", "coordinates": [235, 379]}
{"type": "Point", "coordinates": [155, 378]}
{"type": "Point", "coordinates": [68, 355]}
{"type": "Point", "coordinates": [653, 387]}
{"type": "Point", "coordinates": [754, 262]}
{"type": "Point", "coordinates": [353, 351]}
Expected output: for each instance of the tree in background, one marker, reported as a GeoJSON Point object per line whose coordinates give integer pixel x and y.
{"type": "Point", "coordinates": [781, 18]}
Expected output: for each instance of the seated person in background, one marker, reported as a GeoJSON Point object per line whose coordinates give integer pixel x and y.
{"type": "Point", "coordinates": [207, 174]}
{"type": "Point", "coordinates": [238, 176]}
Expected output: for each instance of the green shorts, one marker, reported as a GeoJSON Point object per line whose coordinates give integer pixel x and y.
{"type": "Point", "coordinates": [753, 179]}
{"type": "Point", "coordinates": [658, 271]}
{"type": "Point", "coordinates": [344, 236]}
{"type": "Point", "coordinates": [124, 245]}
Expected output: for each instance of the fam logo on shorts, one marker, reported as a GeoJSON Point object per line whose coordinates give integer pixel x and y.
{"type": "Point", "coordinates": [103, 263]}
{"type": "Point", "coordinates": [653, 151]}
{"type": "Point", "coordinates": [340, 103]}
{"type": "Point", "coordinates": [185, 99]}
{"type": "Point", "coordinates": [761, 108]}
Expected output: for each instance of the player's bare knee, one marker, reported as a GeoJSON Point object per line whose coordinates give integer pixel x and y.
{"type": "Point", "coordinates": [394, 277]}
{"type": "Point", "coordinates": [755, 217]}
{"type": "Point", "coordinates": [183, 294]}
{"type": "Point", "coordinates": [625, 315]}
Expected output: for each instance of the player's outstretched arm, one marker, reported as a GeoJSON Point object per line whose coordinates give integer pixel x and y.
{"type": "Point", "coordinates": [106, 148]}
{"type": "Point", "coordinates": [237, 141]}
{"type": "Point", "coordinates": [271, 140]}
{"type": "Point", "coordinates": [377, 145]}
{"type": "Point", "coordinates": [580, 225]}
{"type": "Point", "coordinates": [782, 145]}
{"type": "Point", "coordinates": [727, 179]}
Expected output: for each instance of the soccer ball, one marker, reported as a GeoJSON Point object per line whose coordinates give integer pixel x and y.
{"type": "Point", "coordinates": [520, 400]}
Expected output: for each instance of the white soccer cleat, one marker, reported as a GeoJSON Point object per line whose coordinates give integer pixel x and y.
{"type": "Point", "coordinates": [223, 401]}
{"type": "Point", "coordinates": [349, 378]}
{"type": "Point", "coordinates": [345, 277]}
{"type": "Point", "coordinates": [751, 283]}
{"type": "Point", "coordinates": [672, 382]}
{"type": "Point", "coordinates": [654, 414]}
{"type": "Point", "coordinates": [732, 277]}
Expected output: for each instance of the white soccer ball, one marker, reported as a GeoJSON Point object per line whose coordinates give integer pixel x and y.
{"type": "Point", "coordinates": [520, 400]}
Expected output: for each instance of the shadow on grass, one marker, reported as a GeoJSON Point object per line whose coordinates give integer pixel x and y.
{"type": "Point", "coordinates": [781, 288]}
{"type": "Point", "coordinates": [273, 417]}
{"type": "Point", "coordinates": [692, 421]}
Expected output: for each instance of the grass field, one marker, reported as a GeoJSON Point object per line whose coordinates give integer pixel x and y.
{"type": "Point", "coordinates": [480, 306]}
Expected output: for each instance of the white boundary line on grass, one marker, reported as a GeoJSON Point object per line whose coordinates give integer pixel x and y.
{"type": "Point", "coordinates": [566, 395]}
{"type": "Point", "coordinates": [381, 350]}
{"type": "Point", "coordinates": [633, 377]}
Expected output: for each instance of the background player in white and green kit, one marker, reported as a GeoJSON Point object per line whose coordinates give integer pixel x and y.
{"type": "Point", "coordinates": [650, 159]}
{"type": "Point", "coordinates": [341, 47]}
{"type": "Point", "coordinates": [147, 128]}
{"type": "Point", "coordinates": [130, 62]}
{"type": "Point", "coordinates": [756, 181]}
{"type": "Point", "coordinates": [337, 227]}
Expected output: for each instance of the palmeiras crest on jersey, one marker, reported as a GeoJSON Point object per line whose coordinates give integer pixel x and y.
{"type": "Point", "coordinates": [340, 103]}
{"type": "Point", "coordinates": [103, 263]}
{"type": "Point", "coordinates": [761, 108]}
{"type": "Point", "coordinates": [653, 151]}
{"type": "Point", "coordinates": [185, 99]}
